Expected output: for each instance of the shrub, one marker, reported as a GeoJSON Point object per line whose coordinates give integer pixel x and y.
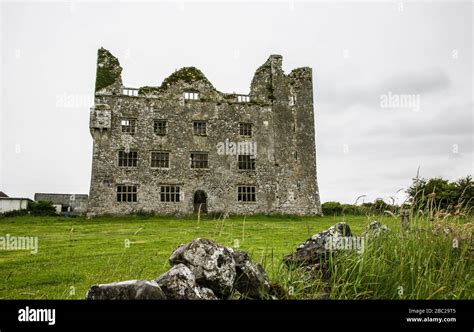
{"type": "Point", "coordinates": [350, 209]}
{"type": "Point", "coordinates": [380, 206]}
{"type": "Point", "coordinates": [440, 194]}
{"type": "Point", "coordinates": [42, 208]}
{"type": "Point", "coordinates": [332, 208]}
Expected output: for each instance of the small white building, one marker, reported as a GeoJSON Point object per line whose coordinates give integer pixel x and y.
{"type": "Point", "coordinates": [13, 203]}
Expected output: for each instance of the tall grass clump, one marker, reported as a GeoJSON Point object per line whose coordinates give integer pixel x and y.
{"type": "Point", "coordinates": [433, 259]}
{"type": "Point", "coordinates": [414, 265]}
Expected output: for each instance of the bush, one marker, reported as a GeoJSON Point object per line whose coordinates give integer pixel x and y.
{"type": "Point", "coordinates": [350, 209]}
{"type": "Point", "coordinates": [332, 208]}
{"type": "Point", "coordinates": [379, 206]}
{"type": "Point", "coordinates": [440, 194]}
{"type": "Point", "coordinates": [42, 208]}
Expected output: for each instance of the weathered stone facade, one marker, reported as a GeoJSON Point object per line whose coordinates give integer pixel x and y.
{"type": "Point", "coordinates": [278, 112]}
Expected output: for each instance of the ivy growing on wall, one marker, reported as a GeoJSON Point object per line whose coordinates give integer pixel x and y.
{"type": "Point", "coordinates": [108, 69]}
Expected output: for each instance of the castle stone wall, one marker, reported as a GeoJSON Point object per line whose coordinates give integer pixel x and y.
{"type": "Point", "coordinates": [280, 111]}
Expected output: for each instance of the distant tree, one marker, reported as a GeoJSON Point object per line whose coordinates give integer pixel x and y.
{"type": "Point", "coordinates": [350, 209]}
{"type": "Point", "coordinates": [332, 208]}
{"type": "Point", "coordinates": [464, 192]}
{"type": "Point", "coordinates": [441, 194]}
{"type": "Point", "coordinates": [380, 206]}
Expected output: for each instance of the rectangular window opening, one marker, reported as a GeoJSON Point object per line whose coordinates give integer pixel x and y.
{"type": "Point", "coordinates": [243, 98]}
{"type": "Point", "coordinates": [200, 128]}
{"type": "Point", "coordinates": [245, 129]}
{"type": "Point", "coordinates": [126, 193]}
{"type": "Point", "coordinates": [199, 160]}
{"type": "Point", "coordinates": [160, 159]}
{"type": "Point", "coordinates": [170, 193]}
{"type": "Point", "coordinates": [160, 127]}
{"type": "Point", "coordinates": [191, 95]}
{"type": "Point", "coordinates": [246, 162]}
{"type": "Point", "coordinates": [246, 194]}
{"type": "Point", "coordinates": [129, 126]}
{"type": "Point", "coordinates": [127, 159]}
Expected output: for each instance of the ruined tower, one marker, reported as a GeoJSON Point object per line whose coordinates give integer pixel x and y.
{"type": "Point", "coordinates": [184, 146]}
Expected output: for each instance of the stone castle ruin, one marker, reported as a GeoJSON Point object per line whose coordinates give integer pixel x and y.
{"type": "Point", "coordinates": [185, 147]}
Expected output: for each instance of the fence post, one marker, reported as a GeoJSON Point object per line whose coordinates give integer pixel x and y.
{"type": "Point", "coordinates": [405, 219]}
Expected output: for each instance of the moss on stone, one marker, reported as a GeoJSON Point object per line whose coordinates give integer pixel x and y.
{"type": "Point", "coordinates": [108, 69]}
{"type": "Point", "coordinates": [230, 96]}
{"type": "Point", "coordinates": [301, 73]}
{"type": "Point", "coordinates": [101, 107]}
{"type": "Point", "coordinates": [263, 68]}
{"type": "Point", "coordinates": [263, 79]}
{"type": "Point", "coordinates": [145, 90]}
{"type": "Point", "coordinates": [187, 75]}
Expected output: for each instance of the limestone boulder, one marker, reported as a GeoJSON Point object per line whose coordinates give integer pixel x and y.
{"type": "Point", "coordinates": [179, 283]}
{"type": "Point", "coordinates": [376, 228]}
{"type": "Point", "coordinates": [251, 279]}
{"type": "Point", "coordinates": [127, 290]}
{"type": "Point", "coordinates": [206, 293]}
{"type": "Point", "coordinates": [317, 248]}
{"type": "Point", "coordinates": [213, 265]}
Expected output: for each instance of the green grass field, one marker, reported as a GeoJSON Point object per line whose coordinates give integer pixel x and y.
{"type": "Point", "coordinates": [76, 253]}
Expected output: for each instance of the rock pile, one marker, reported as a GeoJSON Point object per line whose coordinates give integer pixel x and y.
{"type": "Point", "coordinates": [201, 270]}
{"type": "Point", "coordinates": [316, 251]}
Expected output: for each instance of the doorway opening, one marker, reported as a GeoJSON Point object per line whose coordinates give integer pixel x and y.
{"type": "Point", "coordinates": [200, 201]}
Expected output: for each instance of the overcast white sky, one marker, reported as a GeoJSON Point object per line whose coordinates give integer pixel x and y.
{"type": "Point", "coordinates": [359, 53]}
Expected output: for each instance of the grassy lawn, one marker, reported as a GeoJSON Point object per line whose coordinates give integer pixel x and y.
{"type": "Point", "coordinates": [76, 253]}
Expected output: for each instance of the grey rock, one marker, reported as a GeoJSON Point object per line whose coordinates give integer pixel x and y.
{"type": "Point", "coordinates": [212, 264]}
{"type": "Point", "coordinates": [314, 250]}
{"type": "Point", "coordinates": [126, 290]}
{"type": "Point", "coordinates": [206, 293]}
{"type": "Point", "coordinates": [376, 228]}
{"type": "Point", "coordinates": [252, 280]}
{"type": "Point", "coordinates": [179, 283]}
